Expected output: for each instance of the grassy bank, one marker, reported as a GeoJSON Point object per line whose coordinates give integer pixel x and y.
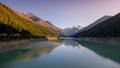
{"type": "Point", "coordinates": [52, 38]}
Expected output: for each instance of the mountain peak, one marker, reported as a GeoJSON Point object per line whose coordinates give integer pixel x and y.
{"type": "Point", "coordinates": [106, 16]}
{"type": "Point", "coordinates": [71, 30]}
{"type": "Point", "coordinates": [31, 16]}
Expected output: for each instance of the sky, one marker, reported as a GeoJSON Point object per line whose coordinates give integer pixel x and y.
{"type": "Point", "coordinates": [67, 13]}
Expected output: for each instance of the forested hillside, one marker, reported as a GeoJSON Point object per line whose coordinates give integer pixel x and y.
{"type": "Point", "coordinates": [12, 25]}
{"type": "Point", "coordinates": [108, 28]}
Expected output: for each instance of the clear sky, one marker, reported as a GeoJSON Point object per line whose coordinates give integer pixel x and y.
{"type": "Point", "coordinates": [66, 13]}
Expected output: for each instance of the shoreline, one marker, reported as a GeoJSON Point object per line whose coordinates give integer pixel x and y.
{"type": "Point", "coordinates": [9, 44]}
{"type": "Point", "coordinates": [101, 40]}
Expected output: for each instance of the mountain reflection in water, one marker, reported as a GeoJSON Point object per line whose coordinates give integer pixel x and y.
{"type": "Point", "coordinates": [21, 53]}
{"type": "Point", "coordinates": [110, 51]}
{"type": "Point", "coordinates": [65, 53]}
{"type": "Point", "coordinates": [71, 43]}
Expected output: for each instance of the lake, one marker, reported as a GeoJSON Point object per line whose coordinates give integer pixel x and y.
{"type": "Point", "coordinates": [65, 53]}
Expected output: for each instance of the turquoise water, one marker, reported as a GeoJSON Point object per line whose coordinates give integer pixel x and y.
{"type": "Point", "coordinates": [62, 54]}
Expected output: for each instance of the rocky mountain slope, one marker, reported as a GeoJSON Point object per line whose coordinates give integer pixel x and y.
{"type": "Point", "coordinates": [48, 25]}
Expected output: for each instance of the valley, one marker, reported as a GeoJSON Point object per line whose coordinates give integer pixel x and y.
{"type": "Point", "coordinates": [59, 34]}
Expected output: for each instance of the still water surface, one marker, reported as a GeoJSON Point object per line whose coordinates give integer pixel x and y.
{"type": "Point", "coordinates": [62, 54]}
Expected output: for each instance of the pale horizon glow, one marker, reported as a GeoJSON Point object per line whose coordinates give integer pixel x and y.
{"type": "Point", "coordinates": [67, 13]}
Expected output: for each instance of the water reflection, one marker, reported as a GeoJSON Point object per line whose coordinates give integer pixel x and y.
{"type": "Point", "coordinates": [110, 51]}
{"type": "Point", "coordinates": [21, 53]}
{"type": "Point", "coordinates": [71, 43]}
{"type": "Point", "coordinates": [62, 54]}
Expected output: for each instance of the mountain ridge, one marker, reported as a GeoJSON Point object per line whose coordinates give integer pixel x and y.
{"type": "Point", "coordinates": [100, 20]}
{"type": "Point", "coordinates": [107, 28]}
{"type": "Point", "coordinates": [48, 25]}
